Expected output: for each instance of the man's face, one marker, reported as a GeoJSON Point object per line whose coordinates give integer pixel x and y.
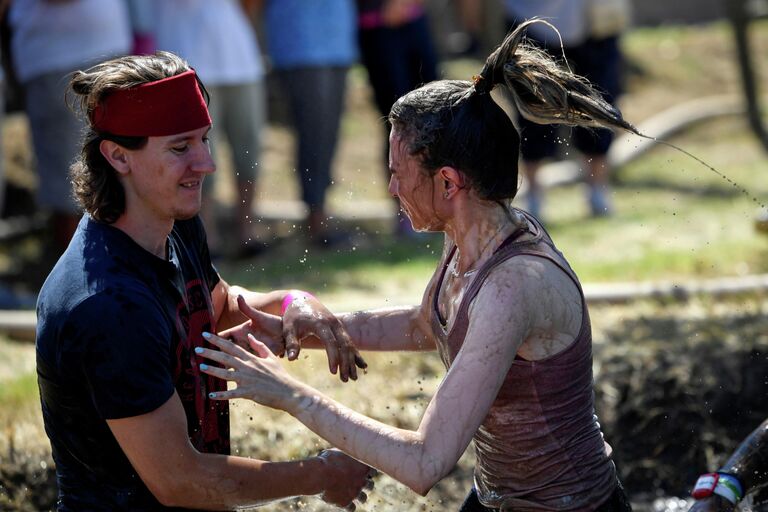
{"type": "Point", "coordinates": [166, 176]}
{"type": "Point", "coordinates": [411, 185]}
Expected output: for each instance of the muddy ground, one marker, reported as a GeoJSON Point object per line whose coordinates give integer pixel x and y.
{"type": "Point", "coordinates": [677, 387]}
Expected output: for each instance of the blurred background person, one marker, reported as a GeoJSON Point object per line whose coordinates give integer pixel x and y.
{"type": "Point", "coordinates": [397, 50]}
{"type": "Point", "coordinates": [311, 46]}
{"type": "Point", "coordinates": [591, 51]}
{"type": "Point", "coordinates": [49, 40]}
{"type": "Point", "coordinates": [219, 41]}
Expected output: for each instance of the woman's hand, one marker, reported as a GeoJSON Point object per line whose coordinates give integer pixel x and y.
{"type": "Point", "coordinates": [307, 318]}
{"type": "Point", "coordinates": [259, 375]}
{"type": "Point", "coordinates": [263, 326]}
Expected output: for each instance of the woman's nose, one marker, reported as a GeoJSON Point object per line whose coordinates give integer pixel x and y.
{"type": "Point", "coordinates": [392, 186]}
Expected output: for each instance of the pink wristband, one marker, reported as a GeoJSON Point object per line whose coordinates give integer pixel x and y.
{"type": "Point", "coordinates": [292, 296]}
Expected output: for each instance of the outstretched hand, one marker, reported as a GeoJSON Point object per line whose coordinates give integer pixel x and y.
{"type": "Point", "coordinates": [258, 373]}
{"type": "Point", "coordinates": [263, 326]}
{"type": "Point", "coordinates": [302, 320]}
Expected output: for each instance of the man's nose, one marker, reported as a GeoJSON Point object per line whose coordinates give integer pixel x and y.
{"type": "Point", "coordinates": [204, 162]}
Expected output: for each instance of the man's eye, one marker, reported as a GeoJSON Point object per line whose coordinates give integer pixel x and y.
{"type": "Point", "coordinates": [180, 149]}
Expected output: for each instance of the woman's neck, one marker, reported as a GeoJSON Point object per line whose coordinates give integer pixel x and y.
{"type": "Point", "coordinates": [477, 228]}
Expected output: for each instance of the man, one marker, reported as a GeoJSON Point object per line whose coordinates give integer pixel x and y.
{"type": "Point", "coordinates": [124, 404]}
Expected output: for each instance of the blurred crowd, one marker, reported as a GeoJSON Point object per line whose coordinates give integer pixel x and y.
{"type": "Point", "coordinates": [308, 46]}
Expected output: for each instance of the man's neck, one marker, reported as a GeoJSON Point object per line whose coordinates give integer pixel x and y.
{"type": "Point", "coordinates": [151, 236]}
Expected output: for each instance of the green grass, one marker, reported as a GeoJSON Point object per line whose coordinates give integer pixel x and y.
{"type": "Point", "coordinates": [18, 391]}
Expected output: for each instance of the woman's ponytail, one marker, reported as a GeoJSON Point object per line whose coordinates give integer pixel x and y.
{"type": "Point", "coordinates": [543, 91]}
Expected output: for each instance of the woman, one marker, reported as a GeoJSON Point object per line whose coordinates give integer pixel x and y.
{"type": "Point", "coordinates": [503, 308]}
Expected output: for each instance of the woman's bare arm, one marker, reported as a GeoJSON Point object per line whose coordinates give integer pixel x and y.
{"type": "Point", "coordinates": [420, 458]}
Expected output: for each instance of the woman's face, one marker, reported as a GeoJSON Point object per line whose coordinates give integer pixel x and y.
{"type": "Point", "coordinates": [411, 184]}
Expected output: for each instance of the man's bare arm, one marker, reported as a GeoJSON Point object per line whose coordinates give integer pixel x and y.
{"type": "Point", "coordinates": [158, 447]}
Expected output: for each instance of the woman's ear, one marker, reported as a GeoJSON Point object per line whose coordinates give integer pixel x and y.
{"type": "Point", "coordinates": [452, 179]}
{"type": "Point", "coordinates": [116, 155]}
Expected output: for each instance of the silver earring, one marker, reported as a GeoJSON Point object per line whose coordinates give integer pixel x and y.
{"type": "Point", "coordinates": [445, 195]}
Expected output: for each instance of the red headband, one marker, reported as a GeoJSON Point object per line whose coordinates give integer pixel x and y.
{"type": "Point", "coordinates": [155, 109]}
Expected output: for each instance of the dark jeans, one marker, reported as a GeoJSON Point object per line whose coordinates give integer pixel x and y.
{"type": "Point", "coordinates": [316, 97]}
{"type": "Point", "coordinates": [617, 502]}
{"type": "Point", "coordinates": [398, 60]}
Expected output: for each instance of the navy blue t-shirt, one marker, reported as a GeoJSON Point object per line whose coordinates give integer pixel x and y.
{"type": "Point", "coordinates": [117, 328]}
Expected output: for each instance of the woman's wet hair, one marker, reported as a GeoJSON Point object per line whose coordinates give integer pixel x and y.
{"type": "Point", "coordinates": [458, 124]}
{"type": "Point", "coordinates": [95, 183]}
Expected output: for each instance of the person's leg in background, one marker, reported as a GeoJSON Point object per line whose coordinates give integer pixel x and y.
{"type": "Point", "coordinates": [316, 96]}
{"type": "Point", "coordinates": [421, 56]}
{"type": "Point", "coordinates": [537, 143]}
{"type": "Point", "coordinates": [244, 109]}
{"type": "Point", "coordinates": [397, 60]}
{"type": "Point", "coordinates": [56, 133]}
{"type": "Point", "coordinates": [600, 62]}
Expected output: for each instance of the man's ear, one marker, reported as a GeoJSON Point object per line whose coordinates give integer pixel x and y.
{"type": "Point", "coordinates": [453, 180]}
{"type": "Point", "coordinates": [116, 155]}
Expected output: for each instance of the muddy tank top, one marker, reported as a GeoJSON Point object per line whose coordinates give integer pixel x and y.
{"type": "Point", "coordinates": [540, 446]}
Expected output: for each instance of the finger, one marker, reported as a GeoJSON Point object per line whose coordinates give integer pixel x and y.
{"type": "Point", "coordinates": [260, 320]}
{"type": "Point", "coordinates": [369, 485]}
{"type": "Point", "coordinates": [344, 357]}
{"type": "Point", "coordinates": [236, 335]}
{"type": "Point", "coordinates": [347, 350]}
{"type": "Point", "coordinates": [226, 345]}
{"type": "Point", "coordinates": [351, 507]}
{"type": "Point", "coordinates": [326, 336]}
{"type": "Point", "coordinates": [226, 395]}
{"type": "Point", "coordinates": [359, 361]}
{"type": "Point", "coordinates": [362, 497]}
{"type": "Point", "coordinates": [219, 373]}
{"type": "Point", "coordinates": [292, 345]}
{"type": "Point", "coordinates": [246, 308]}
{"type": "Point", "coordinates": [373, 472]}
{"type": "Point", "coordinates": [259, 348]}
{"type": "Point", "coordinates": [226, 360]}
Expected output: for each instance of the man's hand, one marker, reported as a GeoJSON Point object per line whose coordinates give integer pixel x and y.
{"type": "Point", "coordinates": [263, 326]}
{"type": "Point", "coordinates": [714, 503]}
{"type": "Point", "coordinates": [347, 479]}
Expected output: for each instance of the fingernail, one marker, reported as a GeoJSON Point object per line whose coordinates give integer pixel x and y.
{"type": "Point", "coordinates": [291, 354]}
{"type": "Point", "coordinates": [207, 335]}
{"type": "Point", "coordinates": [203, 366]}
{"type": "Point", "coordinates": [199, 350]}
